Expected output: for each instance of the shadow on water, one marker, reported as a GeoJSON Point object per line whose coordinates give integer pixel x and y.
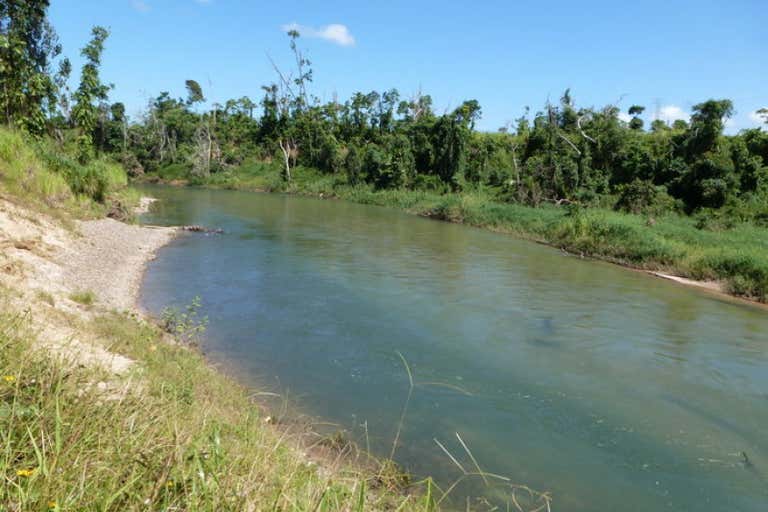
{"type": "Point", "coordinates": [610, 389]}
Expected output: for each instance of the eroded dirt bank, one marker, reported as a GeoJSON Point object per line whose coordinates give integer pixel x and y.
{"type": "Point", "coordinates": [64, 273]}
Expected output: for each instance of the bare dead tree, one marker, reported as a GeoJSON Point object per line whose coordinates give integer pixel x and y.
{"type": "Point", "coordinates": [287, 143]}
{"type": "Point", "coordinates": [208, 150]}
{"type": "Point", "coordinates": [581, 130]}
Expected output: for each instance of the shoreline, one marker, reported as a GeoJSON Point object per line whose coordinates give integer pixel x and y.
{"type": "Point", "coordinates": [716, 288]}
{"type": "Point", "coordinates": [74, 289]}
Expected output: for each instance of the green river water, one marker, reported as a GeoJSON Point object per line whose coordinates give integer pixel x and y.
{"type": "Point", "coordinates": [611, 389]}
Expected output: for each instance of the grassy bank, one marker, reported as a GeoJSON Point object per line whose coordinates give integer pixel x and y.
{"type": "Point", "coordinates": [41, 174]}
{"type": "Point", "coordinates": [735, 253]}
{"type": "Point", "coordinates": [174, 435]}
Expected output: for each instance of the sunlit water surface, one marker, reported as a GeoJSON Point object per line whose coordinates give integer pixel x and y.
{"type": "Point", "coordinates": [611, 389]}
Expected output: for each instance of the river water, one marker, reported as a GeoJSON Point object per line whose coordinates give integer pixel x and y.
{"type": "Point", "coordinates": [611, 389]}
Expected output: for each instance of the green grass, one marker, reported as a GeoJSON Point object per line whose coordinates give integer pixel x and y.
{"type": "Point", "coordinates": [673, 243]}
{"type": "Point", "coordinates": [46, 297]}
{"type": "Point", "coordinates": [84, 297]}
{"type": "Point", "coordinates": [44, 175]}
{"type": "Point", "coordinates": [184, 438]}
{"type": "Point", "coordinates": [24, 175]}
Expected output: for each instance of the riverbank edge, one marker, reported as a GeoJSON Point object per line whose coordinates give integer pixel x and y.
{"type": "Point", "coordinates": [70, 291]}
{"type": "Point", "coordinates": [717, 288]}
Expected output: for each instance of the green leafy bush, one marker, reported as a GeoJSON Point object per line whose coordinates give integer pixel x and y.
{"type": "Point", "coordinates": [186, 324]}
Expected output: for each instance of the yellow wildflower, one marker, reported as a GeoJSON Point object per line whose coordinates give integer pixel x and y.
{"type": "Point", "coordinates": [52, 505]}
{"type": "Point", "coordinates": [25, 472]}
{"type": "Point", "coordinates": [152, 348]}
{"type": "Point", "coordinates": [169, 484]}
{"type": "Point", "coordinates": [9, 378]}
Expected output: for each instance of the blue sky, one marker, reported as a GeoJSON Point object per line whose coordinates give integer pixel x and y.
{"type": "Point", "coordinates": [667, 55]}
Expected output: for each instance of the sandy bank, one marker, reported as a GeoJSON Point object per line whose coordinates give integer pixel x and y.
{"type": "Point", "coordinates": [45, 264]}
{"type": "Point", "coordinates": [714, 286]}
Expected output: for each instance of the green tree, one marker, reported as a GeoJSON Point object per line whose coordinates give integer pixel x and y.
{"type": "Point", "coordinates": [91, 93]}
{"type": "Point", "coordinates": [763, 113]}
{"type": "Point", "coordinates": [194, 92]}
{"type": "Point", "coordinates": [450, 135]}
{"type": "Point", "coordinates": [28, 46]}
{"type": "Point", "coordinates": [710, 178]}
{"type": "Point", "coordinates": [636, 111]}
{"type": "Point", "coordinates": [469, 113]}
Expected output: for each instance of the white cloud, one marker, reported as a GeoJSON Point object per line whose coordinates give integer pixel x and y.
{"type": "Point", "coordinates": [334, 33]}
{"type": "Point", "coordinates": [140, 5]}
{"type": "Point", "coordinates": [625, 117]}
{"type": "Point", "coordinates": [757, 118]}
{"type": "Point", "coordinates": [670, 114]}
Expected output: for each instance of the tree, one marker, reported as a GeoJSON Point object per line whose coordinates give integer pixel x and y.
{"type": "Point", "coordinates": [658, 126]}
{"type": "Point", "coordinates": [91, 93]}
{"type": "Point", "coordinates": [194, 92]}
{"type": "Point", "coordinates": [289, 100]}
{"type": "Point", "coordinates": [450, 136]}
{"type": "Point", "coordinates": [28, 46]}
{"type": "Point", "coordinates": [469, 113]}
{"type": "Point", "coordinates": [710, 177]}
{"type": "Point", "coordinates": [635, 111]}
{"type": "Point", "coordinates": [707, 124]}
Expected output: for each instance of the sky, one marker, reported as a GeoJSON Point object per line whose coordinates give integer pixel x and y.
{"type": "Point", "coordinates": [508, 54]}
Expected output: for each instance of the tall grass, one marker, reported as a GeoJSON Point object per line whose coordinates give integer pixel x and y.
{"type": "Point", "coordinates": [175, 435]}
{"type": "Point", "coordinates": [44, 173]}
{"type": "Point", "coordinates": [24, 175]}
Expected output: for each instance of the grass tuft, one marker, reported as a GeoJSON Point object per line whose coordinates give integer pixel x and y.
{"type": "Point", "coordinates": [84, 297]}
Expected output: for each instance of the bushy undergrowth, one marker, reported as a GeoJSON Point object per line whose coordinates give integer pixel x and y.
{"type": "Point", "coordinates": [23, 173]}
{"type": "Point", "coordinates": [43, 172]}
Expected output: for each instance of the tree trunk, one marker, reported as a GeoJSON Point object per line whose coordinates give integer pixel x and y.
{"type": "Point", "coordinates": [285, 148]}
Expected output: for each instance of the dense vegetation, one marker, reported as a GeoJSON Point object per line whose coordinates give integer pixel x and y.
{"type": "Point", "coordinates": [583, 161]}
{"type": "Point", "coordinates": [46, 153]}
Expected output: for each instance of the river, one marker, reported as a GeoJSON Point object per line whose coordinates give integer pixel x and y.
{"type": "Point", "coordinates": [611, 389]}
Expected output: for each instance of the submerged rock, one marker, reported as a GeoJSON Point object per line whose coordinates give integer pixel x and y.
{"type": "Point", "coordinates": [201, 229]}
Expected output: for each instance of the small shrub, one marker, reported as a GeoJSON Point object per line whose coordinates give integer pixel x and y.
{"type": "Point", "coordinates": [174, 172]}
{"type": "Point", "coordinates": [391, 477]}
{"type": "Point", "coordinates": [84, 297]}
{"type": "Point", "coordinates": [131, 165]}
{"type": "Point", "coordinates": [186, 325]}
{"type": "Point", "coordinates": [46, 297]}
{"type": "Point", "coordinates": [643, 197]}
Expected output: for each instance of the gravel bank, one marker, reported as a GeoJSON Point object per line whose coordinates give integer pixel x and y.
{"type": "Point", "coordinates": [109, 259]}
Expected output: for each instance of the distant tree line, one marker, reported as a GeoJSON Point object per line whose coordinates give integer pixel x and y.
{"type": "Point", "coordinates": [559, 154]}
